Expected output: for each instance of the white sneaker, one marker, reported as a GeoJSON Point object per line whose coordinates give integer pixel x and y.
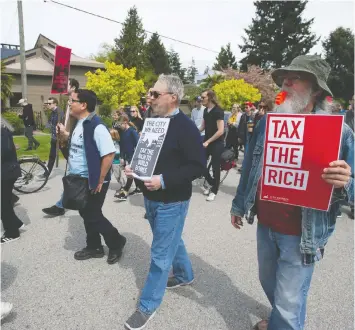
{"type": "Point", "coordinates": [211, 197]}
{"type": "Point", "coordinates": [206, 191]}
{"type": "Point", "coordinates": [5, 309]}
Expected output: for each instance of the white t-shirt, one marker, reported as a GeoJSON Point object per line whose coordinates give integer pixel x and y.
{"type": "Point", "coordinates": [197, 117]}
{"type": "Point", "coordinates": [77, 162]}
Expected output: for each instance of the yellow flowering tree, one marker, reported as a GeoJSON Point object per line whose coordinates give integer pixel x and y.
{"type": "Point", "coordinates": [115, 85]}
{"type": "Point", "coordinates": [235, 91]}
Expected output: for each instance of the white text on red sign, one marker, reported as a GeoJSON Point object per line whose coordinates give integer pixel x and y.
{"type": "Point", "coordinates": [279, 154]}
{"type": "Point", "coordinates": [286, 178]}
{"type": "Point", "coordinates": [287, 129]}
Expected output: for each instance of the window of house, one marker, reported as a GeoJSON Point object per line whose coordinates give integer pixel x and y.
{"type": "Point", "coordinates": [46, 55]}
{"type": "Point", "coordinates": [50, 45]}
{"type": "Point", "coordinates": [14, 99]}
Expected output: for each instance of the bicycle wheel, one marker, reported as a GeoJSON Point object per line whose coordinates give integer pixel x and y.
{"type": "Point", "coordinates": [34, 176]}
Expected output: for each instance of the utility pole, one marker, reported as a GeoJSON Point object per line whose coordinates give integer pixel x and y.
{"type": "Point", "coordinates": [22, 50]}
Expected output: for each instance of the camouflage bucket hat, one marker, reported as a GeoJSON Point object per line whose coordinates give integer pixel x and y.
{"type": "Point", "coordinates": [312, 64]}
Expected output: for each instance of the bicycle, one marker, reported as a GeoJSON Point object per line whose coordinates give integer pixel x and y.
{"type": "Point", "coordinates": [34, 175]}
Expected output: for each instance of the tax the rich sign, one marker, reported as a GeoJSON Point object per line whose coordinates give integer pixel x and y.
{"type": "Point", "coordinates": [61, 70]}
{"type": "Point", "coordinates": [297, 149]}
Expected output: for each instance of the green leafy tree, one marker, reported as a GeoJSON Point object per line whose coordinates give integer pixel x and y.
{"type": "Point", "coordinates": [191, 72]}
{"type": "Point", "coordinates": [225, 59]}
{"type": "Point", "coordinates": [107, 53]}
{"type": "Point", "coordinates": [157, 55]}
{"type": "Point", "coordinates": [339, 53]}
{"type": "Point", "coordinates": [277, 34]}
{"type": "Point", "coordinates": [6, 84]}
{"type": "Point", "coordinates": [235, 91]}
{"type": "Point", "coordinates": [210, 81]}
{"type": "Point", "coordinates": [175, 65]}
{"type": "Point", "coordinates": [129, 47]}
{"type": "Point", "coordinates": [115, 85]}
{"type": "Point", "coordinates": [191, 92]}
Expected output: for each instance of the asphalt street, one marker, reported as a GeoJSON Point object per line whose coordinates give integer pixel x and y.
{"type": "Point", "coordinates": [50, 290]}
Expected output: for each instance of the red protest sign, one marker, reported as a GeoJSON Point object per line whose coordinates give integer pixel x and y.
{"type": "Point", "coordinates": [297, 149]}
{"type": "Point", "coordinates": [61, 70]}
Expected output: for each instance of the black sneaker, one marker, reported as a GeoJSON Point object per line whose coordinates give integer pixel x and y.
{"type": "Point", "coordinates": [54, 211]}
{"type": "Point", "coordinates": [175, 283]}
{"type": "Point", "coordinates": [7, 238]}
{"type": "Point", "coordinates": [138, 320]}
{"type": "Point", "coordinates": [115, 254]}
{"type": "Point", "coordinates": [121, 195]}
{"type": "Point", "coordinates": [87, 253]}
{"type": "Point", "coordinates": [28, 149]}
{"type": "Point", "coordinates": [136, 191]}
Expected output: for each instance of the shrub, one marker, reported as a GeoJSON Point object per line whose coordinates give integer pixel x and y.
{"type": "Point", "coordinates": [105, 110]}
{"type": "Point", "coordinates": [107, 121]}
{"type": "Point", "coordinates": [15, 121]}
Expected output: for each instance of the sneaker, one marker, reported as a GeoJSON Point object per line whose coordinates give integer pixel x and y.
{"type": "Point", "coordinates": [339, 216]}
{"type": "Point", "coordinates": [175, 283]}
{"type": "Point", "coordinates": [23, 227]}
{"type": "Point", "coordinates": [7, 239]}
{"type": "Point", "coordinates": [138, 320]}
{"type": "Point", "coordinates": [5, 309]}
{"type": "Point", "coordinates": [121, 195]}
{"type": "Point", "coordinates": [136, 191]}
{"type": "Point", "coordinates": [54, 211]}
{"type": "Point", "coordinates": [115, 254]}
{"type": "Point", "coordinates": [28, 149]}
{"type": "Point", "coordinates": [211, 197]}
{"type": "Point", "coordinates": [87, 253]}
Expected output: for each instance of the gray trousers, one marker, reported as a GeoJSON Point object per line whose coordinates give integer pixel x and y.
{"type": "Point", "coordinates": [30, 138]}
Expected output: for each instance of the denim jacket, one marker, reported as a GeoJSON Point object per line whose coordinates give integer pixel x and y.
{"type": "Point", "coordinates": [317, 226]}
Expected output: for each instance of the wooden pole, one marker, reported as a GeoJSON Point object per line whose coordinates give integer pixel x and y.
{"type": "Point", "coordinates": [57, 141]}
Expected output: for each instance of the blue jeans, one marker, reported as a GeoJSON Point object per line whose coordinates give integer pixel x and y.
{"type": "Point", "coordinates": [60, 202]}
{"type": "Point", "coordinates": [168, 249]}
{"type": "Point", "coordinates": [284, 278]}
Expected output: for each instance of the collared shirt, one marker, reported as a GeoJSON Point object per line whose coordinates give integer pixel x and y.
{"type": "Point", "coordinates": [197, 117]}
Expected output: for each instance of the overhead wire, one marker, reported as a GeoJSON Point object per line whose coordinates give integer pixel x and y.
{"type": "Point", "coordinates": [114, 21]}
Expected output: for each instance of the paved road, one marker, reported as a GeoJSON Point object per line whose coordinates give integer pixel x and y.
{"type": "Point", "coordinates": [52, 291]}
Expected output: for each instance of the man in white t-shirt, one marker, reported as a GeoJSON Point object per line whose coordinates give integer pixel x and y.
{"type": "Point", "coordinates": [197, 115]}
{"type": "Point", "coordinates": [91, 154]}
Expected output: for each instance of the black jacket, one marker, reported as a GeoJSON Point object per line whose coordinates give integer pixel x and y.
{"type": "Point", "coordinates": [27, 115]}
{"type": "Point", "coordinates": [10, 168]}
{"type": "Point", "coordinates": [243, 128]}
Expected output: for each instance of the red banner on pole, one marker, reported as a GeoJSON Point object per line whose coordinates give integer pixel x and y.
{"type": "Point", "coordinates": [297, 149]}
{"type": "Point", "coordinates": [61, 70]}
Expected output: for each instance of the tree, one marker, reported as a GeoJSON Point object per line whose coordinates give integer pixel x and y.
{"type": "Point", "coordinates": [191, 72]}
{"type": "Point", "coordinates": [339, 53]}
{"type": "Point", "coordinates": [235, 91]}
{"type": "Point", "coordinates": [277, 35]}
{"type": "Point", "coordinates": [115, 85]}
{"type": "Point", "coordinates": [157, 55]}
{"type": "Point", "coordinates": [191, 92]}
{"type": "Point", "coordinates": [255, 76]}
{"type": "Point", "coordinates": [107, 53]}
{"type": "Point", "coordinates": [175, 65]}
{"type": "Point", "coordinates": [210, 81]}
{"type": "Point", "coordinates": [6, 84]}
{"type": "Point", "coordinates": [129, 47]}
{"type": "Point", "coordinates": [225, 59]}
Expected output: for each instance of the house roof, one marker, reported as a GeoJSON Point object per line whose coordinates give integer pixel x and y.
{"type": "Point", "coordinates": [40, 59]}
{"type": "Point", "coordinates": [9, 50]}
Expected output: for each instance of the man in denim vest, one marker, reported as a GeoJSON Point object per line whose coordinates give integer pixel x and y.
{"type": "Point", "coordinates": [291, 239]}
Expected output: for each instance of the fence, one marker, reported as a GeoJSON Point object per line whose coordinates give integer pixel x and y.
{"type": "Point", "coordinates": [38, 120]}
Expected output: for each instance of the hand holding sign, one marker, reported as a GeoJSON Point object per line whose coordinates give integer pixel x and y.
{"type": "Point", "coordinates": [154, 183]}
{"type": "Point", "coordinates": [338, 174]}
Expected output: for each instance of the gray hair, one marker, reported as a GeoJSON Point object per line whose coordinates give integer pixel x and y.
{"type": "Point", "coordinates": [173, 84]}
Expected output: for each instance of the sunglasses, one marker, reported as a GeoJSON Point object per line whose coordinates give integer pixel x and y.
{"type": "Point", "coordinates": [133, 111]}
{"type": "Point", "coordinates": [156, 94]}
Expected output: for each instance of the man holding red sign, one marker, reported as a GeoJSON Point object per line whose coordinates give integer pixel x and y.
{"type": "Point", "coordinates": [279, 168]}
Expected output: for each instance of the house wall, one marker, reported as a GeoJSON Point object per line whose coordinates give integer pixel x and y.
{"type": "Point", "coordinates": [39, 87]}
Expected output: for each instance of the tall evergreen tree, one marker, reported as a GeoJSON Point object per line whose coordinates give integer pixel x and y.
{"type": "Point", "coordinates": [175, 65]}
{"type": "Point", "coordinates": [277, 34]}
{"type": "Point", "coordinates": [225, 59]}
{"type": "Point", "coordinates": [339, 53]}
{"type": "Point", "coordinates": [157, 55]}
{"type": "Point", "coordinates": [129, 47]}
{"type": "Point", "coordinates": [191, 72]}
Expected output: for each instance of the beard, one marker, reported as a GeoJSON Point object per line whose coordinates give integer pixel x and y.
{"type": "Point", "coordinates": [295, 103]}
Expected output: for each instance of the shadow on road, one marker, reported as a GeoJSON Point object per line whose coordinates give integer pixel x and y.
{"type": "Point", "coordinates": [77, 236]}
{"type": "Point", "coordinates": [8, 275]}
{"type": "Point", "coordinates": [21, 212]}
{"type": "Point", "coordinates": [229, 190]}
{"type": "Point", "coordinates": [212, 287]}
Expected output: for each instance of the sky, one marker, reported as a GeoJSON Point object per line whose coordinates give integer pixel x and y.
{"type": "Point", "coordinates": [206, 23]}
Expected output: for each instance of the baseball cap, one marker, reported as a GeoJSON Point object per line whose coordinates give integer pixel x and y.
{"type": "Point", "coordinates": [198, 99]}
{"type": "Point", "coordinates": [22, 101]}
{"type": "Point", "coordinates": [249, 104]}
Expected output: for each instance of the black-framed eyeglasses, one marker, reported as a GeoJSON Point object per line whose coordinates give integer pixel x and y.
{"type": "Point", "coordinates": [156, 94]}
{"type": "Point", "coordinates": [73, 101]}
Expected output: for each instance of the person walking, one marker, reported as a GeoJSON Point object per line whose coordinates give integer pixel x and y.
{"type": "Point", "coordinates": [91, 153]}
{"type": "Point", "coordinates": [291, 239]}
{"type": "Point", "coordinates": [232, 132]}
{"type": "Point", "coordinates": [213, 125]}
{"type": "Point", "coordinates": [10, 172]}
{"type": "Point", "coordinates": [197, 115]}
{"type": "Point", "coordinates": [136, 118]}
{"type": "Point", "coordinates": [166, 198]}
{"type": "Point", "coordinates": [29, 123]}
{"type": "Point", "coordinates": [128, 142]}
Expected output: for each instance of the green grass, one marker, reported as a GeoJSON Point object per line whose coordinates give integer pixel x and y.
{"type": "Point", "coordinates": [42, 152]}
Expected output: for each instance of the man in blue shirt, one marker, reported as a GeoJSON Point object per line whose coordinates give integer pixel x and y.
{"type": "Point", "coordinates": [91, 153]}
